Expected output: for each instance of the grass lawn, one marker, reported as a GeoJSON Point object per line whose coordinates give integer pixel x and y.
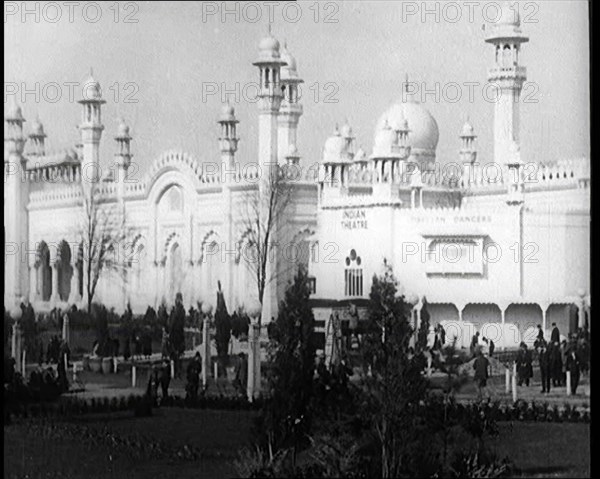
{"type": "Point", "coordinates": [37, 450]}
{"type": "Point", "coordinates": [216, 435]}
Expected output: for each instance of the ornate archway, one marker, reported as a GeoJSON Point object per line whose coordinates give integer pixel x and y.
{"type": "Point", "coordinates": [64, 270]}
{"type": "Point", "coordinates": [44, 273]}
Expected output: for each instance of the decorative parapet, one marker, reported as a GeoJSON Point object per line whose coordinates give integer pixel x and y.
{"type": "Point", "coordinates": [67, 193]}
{"type": "Point", "coordinates": [60, 167]}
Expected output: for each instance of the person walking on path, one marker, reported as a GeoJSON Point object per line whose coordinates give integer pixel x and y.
{"type": "Point", "coordinates": [165, 379]}
{"type": "Point", "coordinates": [524, 366]}
{"type": "Point", "coordinates": [240, 381]}
{"type": "Point", "coordinates": [545, 366]}
{"type": "Point", "coordinates": [152, 388]}
{"type": "Point", "coordinates": [165, 343]}
{"type": "Point", "coordinates": [474, 344]}
{"type": "Point", "coordinates": [481, 365]}
{"type": "Point", "coordinates": [574, 367]}
{"type": "Point", "coordinates": [193, 377]}
{"type": "Point", "coordinates": [540, 336]}
{"type": "Point", "coordinates": [559, 364]}
{"type": "Point", "coordinates": [492, 347]}
{"type": "Point", "coordinates": [555, 335]}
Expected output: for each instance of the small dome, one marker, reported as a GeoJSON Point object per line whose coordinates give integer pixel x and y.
{"type": "Point", "coordinates": [123, 129]}
{"type": "Point", "coordinates": [467, 129]}
{"type": "Point", "coordinates": [360, 156]}
{"type": "Point", "coordinates": [91, 89]}
{"type": "Point", "coordinates": [289, 59]}
{"type": "Point", "coordinates": [14, 112]}
{"type": "Point", "coordinates": [227, 113]}
{"type": "Point", "coordinates": [37, 129]}
{"type": "Point", "coordinates": [401, 123]}
{"type": "Point", "coordinates": [268, 48]}
{"type": "Point", "coordinates": [384, 140]}
{"type": "Point", "coordinates": [334, 148]}
{"type": "Point", "coordinates": [269, 43]}
{"type": "Point", "coordinates": [346, 131]}
{"type": "Point", "coordinates": [509, 15]}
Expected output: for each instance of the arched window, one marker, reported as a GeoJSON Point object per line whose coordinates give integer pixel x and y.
{"type": "Point", "coordinates": [65, 271]}
{"type": "Point", "coordinates": [44, 282]}
{"type": "Point", "coordinates": [353, 275]}
{"type": "Point", "coordinates": [174, 265]}
{"type": "Point", "coordinates": [175, 200]}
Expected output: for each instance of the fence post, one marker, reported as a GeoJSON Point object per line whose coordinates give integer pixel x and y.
{"type": "Point", "coordinates": [568, 383]}
{"type": "Point", "coordinates": [133, 376]}
{"type": "Point", "coordinates": [216, 370]}
{"type": "Point", "coordinates": [172, 368]}
{"type": "Point", "coordinates": [514, 383]}
{"type": "Point", "coordinates": [24, 364]}
{"type": "Point", "coordinates": [115, 363]}
{"type": "Point", "coordinates": [429, 366]}
{"type": "Point", "coordinates": [74, 372]}
{"type": "Point", "coordinates": [507, 380]}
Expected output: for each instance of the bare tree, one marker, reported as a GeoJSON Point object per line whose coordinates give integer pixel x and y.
{"type": "Point", "coordinates": [264, 223]}
{"type": "Point", "coordinates": [103, 235]}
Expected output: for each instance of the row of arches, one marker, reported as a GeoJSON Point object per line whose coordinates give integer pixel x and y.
{"type": "Point", "coordinates": [56, 274]}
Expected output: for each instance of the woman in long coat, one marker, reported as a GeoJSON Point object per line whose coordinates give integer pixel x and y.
{"type": "Point", "coordinates": [524, 365]}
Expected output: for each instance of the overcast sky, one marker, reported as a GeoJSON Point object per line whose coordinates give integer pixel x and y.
{"type": "Point", "coordinates": [353, 57]}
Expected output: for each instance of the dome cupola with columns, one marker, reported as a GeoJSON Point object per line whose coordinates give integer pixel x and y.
{"type": "Point", "coordinates": [423, 135]}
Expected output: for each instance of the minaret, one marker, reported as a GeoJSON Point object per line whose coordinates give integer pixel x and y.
{"type": "Point", "coordinates": [509, 76]}
{"type": "Point", "coordinates": [467, 153]}
{"type": "Point", "coordinates": [291, 109]}
{"type": "Point", "coordinates": [292, 157]}
{"type": "Point", "coordinates": [16, 219]}
{"type": "Point", "coordinates": [269, 64]}
{"type": "Point", "coordinates": [228, 144]}
{"type": "Point", "coordinates": [91, 131]}
{"type": "Point", "coordinates": [122, 161]}
{"type": "Point", "coordinates": [37, 138]}
{"type": "Point", "coordinates": [336, 165]}
{"type": "Point", "coordinates": [228, 141]}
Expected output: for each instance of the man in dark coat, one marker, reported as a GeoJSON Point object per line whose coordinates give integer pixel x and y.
{"type": "Point", "coordinates": [152, 389]}
{"type": "Point", "coordinates": [165, 379]}
{"type": "Point", "coordinates": [573, 366]}
{"type": "Point", "coordinates": [556, 364]}
{"type": "Point", "coordinates": [492, 348]}
{"type": "Point", "coordinates": [481, 365]}
{"type": "Point", "coordinates": [193, 376]}
{"type": "Point", "coordinates": [555, 335]}
{"type": "Point", "coordinates": [524, 366]}
{"type": "Point", "coordinates": [241, 374]}
{"type": "Point", "coordinates": [540, 336]}
{"type": "Point", "coordinates": [545, 366]}
{"type": "Point", "coordinates": [474, 343]}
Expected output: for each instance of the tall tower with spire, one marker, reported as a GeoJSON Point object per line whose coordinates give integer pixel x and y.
{"type": "Point", "coordinates": [37, 138]}
{"type": "Point", "coordinates": [91, 128]}
{"type": "Point", "coordinates": [228, 140]}
{"type": "Point", "coordinates": [291, 109]}
{"type": "Point", "coordinates": [467, 153]}
{"type": "Point", "coordinates": [509, 76]}
{"type": "Point", "coordinates": [16, 218]}
{"type": "Point", "coordinates": [122, 160]}
{"type": "Point", "coordinates": [269, 65]}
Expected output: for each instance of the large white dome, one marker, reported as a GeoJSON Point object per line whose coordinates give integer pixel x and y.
{"type": "Point", "coordinates": [424, 133]}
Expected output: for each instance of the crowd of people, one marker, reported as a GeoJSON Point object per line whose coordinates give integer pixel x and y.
{"type": "Point", "coordinates": [557, 357]}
